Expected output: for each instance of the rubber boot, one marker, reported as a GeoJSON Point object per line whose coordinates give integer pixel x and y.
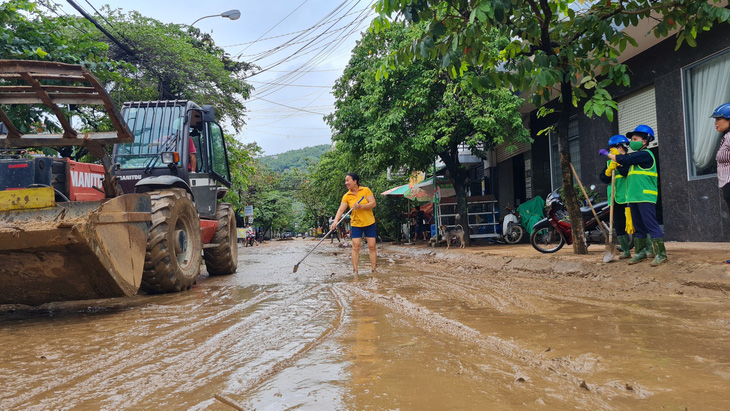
{"type": "Point", "coordinates": [640, 247]}
{"type": "Point", "coordinates": [650, 253]}
{"type": "Point", "coordinates": [661, 252]}
{"type": "Point", "coordinates": [623, 241]}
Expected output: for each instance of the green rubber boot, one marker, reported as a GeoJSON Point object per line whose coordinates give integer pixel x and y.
{"type": "Point", "coordinates": [623, 241]}
{"type": "Point", "coordinates": [661, 252]}
{"type": "Point", "coordinates": [650, 253]}
{"type": "Point", "coordinates": [640, 247]}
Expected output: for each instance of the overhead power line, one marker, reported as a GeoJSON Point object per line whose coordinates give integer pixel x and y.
{"type": "Point", "coordinates": [293, 108]}
{"type": "Point", "coordinates": [274, 26]}
{"type": "Point", "coordinates": [102, 29]}
{"type": "Point", "coordinates": [288, 85]}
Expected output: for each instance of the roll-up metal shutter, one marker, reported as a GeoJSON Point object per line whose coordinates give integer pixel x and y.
{"type": "Point", "coordinates": [638, 108]}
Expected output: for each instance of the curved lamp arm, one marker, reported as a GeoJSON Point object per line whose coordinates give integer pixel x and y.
{"type": "Point", "coordinates": [230, 14]}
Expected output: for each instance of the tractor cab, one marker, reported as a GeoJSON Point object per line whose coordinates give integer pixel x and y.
{"type": "Point", "coordinates": [176, 144]}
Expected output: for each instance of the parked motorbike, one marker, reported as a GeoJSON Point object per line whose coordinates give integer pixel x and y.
{"type": "Point", "coordinates": [512, 230]}
{"type": "Point", "coordinates": [552, 232]}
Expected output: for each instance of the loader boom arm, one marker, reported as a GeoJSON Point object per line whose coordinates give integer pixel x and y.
{"type": "Point", "coordinates": [52, 84]}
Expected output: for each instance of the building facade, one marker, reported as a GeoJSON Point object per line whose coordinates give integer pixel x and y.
{"type": "Point", "coordinates": [674, 92]}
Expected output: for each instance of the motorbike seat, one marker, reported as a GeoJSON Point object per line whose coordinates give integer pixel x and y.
{"type": "Point", "coordinates": [586, 211]}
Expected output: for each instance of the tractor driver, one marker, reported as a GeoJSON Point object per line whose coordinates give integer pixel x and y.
{"type": "Point", "coordinates": [195, 127]}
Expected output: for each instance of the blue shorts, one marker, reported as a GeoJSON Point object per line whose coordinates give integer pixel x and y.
{"type": "Point", "coordinates": [369, 231]}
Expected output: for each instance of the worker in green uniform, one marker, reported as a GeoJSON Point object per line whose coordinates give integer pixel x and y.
{"type": "Point", "coordinates": [618, 144]}
{"type": "Point", "coordinates": [641, 193]}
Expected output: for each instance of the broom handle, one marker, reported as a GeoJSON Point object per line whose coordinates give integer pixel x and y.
{"type": "Point", "coordinates": [613, 197]}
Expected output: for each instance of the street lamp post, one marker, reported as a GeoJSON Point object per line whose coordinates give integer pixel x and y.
{"type": "Point", "coordinates": [230, 14]}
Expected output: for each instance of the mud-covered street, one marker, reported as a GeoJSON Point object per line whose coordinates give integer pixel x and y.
{"type": "Point", "coordinates": [492, 327]}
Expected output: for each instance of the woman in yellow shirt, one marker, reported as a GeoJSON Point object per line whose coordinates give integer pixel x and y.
{"type": "Point", "coordinates": [362, 202]}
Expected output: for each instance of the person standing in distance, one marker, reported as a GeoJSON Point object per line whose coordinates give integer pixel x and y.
{"type": "Point", "coordinates": [335, 233]}
{"type": "Point", "coordinates": [420, 222]}
{"type": "Point", "coordinates": [642, 192]}
{"type": "Point", "coordinates": [362, 219]}
{"type": "Point", "coordinates": [722, 125]}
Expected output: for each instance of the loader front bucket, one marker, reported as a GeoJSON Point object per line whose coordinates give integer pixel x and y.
{"type": "Point", "coordinates": [73, 250]}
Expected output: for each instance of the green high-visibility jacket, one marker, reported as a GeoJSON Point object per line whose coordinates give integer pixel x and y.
{"type": "Point", "coordinates": [620, 187]}
{"type": "Point", "coordinates": [643, 183]}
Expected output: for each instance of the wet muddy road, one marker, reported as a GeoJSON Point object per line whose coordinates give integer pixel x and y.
{"type": "Point", "coordinates": [431, 330]}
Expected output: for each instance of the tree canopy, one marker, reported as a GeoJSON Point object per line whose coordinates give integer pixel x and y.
{"type": "Point", "coordinates": [172, 61]}
{"type": "Point", "coordinates": [417, 112]}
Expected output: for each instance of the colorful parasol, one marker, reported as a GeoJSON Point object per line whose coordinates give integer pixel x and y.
{"type": "Point", "coordinates": [399, 191]}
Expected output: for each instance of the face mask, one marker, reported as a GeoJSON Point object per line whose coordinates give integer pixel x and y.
{"type": "Point", "coordinates": [636, 145]}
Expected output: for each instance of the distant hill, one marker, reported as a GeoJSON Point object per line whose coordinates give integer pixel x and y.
{"type": "Point", "coordinates": [295, 158]}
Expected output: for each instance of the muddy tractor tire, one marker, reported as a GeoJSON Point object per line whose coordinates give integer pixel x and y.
{"type": "Point", "coordinates": [223, 259]}
{"type": "Point", "coordinates": [172, 261]}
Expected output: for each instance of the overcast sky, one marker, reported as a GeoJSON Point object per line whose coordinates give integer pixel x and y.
{"type": "Point", "coordinates": [303, 45]}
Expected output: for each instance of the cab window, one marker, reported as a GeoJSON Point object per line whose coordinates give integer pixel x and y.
{"type": "Point", "coordinates": [218, 152]}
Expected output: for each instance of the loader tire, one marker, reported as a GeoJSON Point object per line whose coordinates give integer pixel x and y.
{"type": "Point", "coordinates": [223, 259]}
{"type": "Point", "coordinates": [172, 261]}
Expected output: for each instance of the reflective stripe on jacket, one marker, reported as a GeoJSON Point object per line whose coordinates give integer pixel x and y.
{"type": "Point", "coordinates": [643, 183]}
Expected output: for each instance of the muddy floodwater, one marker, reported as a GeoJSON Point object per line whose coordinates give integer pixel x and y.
{"type": "Point", "coordinates": [432, 330]}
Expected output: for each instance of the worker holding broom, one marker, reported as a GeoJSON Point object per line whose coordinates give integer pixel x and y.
{"type": "Point", "coordinates": [361, 201]}
{"type": "Point", "coordinates": [642, 192]}
{"type": "Point", "coordinates": [618, 144]}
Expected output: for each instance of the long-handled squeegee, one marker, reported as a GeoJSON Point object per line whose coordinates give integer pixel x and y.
{"type": "Point", "coordinates": [296, 267]}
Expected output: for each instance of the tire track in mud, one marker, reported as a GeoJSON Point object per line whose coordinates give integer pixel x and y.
{"type": "Point", "coordinates": [218, 347]}
{"type": "Point", "coordinates": [468, 290]}
{"type": "Point", "coordinates": [180, 374]}
{"type": "Point", "coordinates": [279, 366]}
{"type": "Point", "coordinates": [260, 319]}
{"type": "Point", "coordinates": [74, 374]}
{"type": "Point", "coordinates": [560, 371]}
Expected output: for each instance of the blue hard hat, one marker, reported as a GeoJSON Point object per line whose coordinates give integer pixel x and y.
{"type": "Point", "coordinates": [617, 139]}
{"type": "Point", "coordinates": [722, 112]}
{"type": "Point", "coordinates": [644, 130]}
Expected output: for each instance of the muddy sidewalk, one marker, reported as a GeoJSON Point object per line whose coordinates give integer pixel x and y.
{"type": "Point", "coordinates": [700, 265]}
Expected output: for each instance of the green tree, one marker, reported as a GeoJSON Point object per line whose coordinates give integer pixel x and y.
{"type": "Point", "coordinates": [417, 112]}
{"type": "Point", "coordinates": [243, 167]}
{"type": "Point", "coordinates": [27, 33]}
{"type": "Point", "coordinates": [326, 183]}
{"type": "Point", "coordinates": [172, 61]}
{"type": "Point", "coordinates": [273, 211]}
{"type": "Point", "coordinates": [314, 205]}
{"type": "Point", "coordinates": [563, 48]}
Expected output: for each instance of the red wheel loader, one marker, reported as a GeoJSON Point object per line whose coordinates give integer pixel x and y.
{"type": "Point", "coordinates": [143, 218]}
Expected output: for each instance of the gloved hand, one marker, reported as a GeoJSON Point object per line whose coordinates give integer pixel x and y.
{"type": "Point", "coordinates": [629, 221]}
{"type": "Point", "coordinates": [602, 152]}
{"type": "Point", "coordinates": [610, 168]}
{"type": "Point", "coordinates": [614, 151]}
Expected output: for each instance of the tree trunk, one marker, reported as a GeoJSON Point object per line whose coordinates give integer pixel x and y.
{"type": "Point", "coordinates": [569, 195]}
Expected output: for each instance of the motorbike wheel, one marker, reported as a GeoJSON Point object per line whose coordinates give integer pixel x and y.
{"type": "Point", "coordinates": [547, 240]}
{"type": "Point", "coordinates": [514, 234]}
